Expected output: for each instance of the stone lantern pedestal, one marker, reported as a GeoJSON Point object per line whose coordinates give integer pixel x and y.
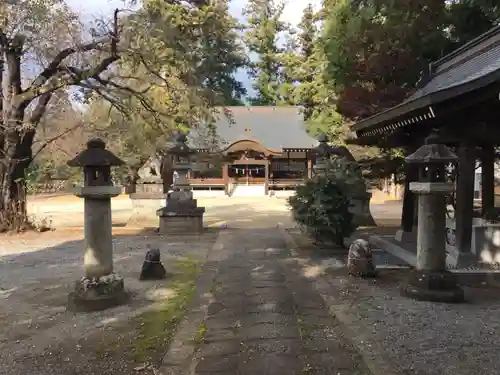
{"type": "Point", "coordinates": [360, 208]}
{"type": "Point", "coordinates": [99, 288]}
{"type": "Point", "coordinates": [430, 281]}
{"type": "Point", "coordinates": [181, 215]}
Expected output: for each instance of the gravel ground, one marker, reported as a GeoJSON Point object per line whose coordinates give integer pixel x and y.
{"type": "Point", "coordinates": [38, 336]}
{"type": "Point", "coordinates": [37, 271]}
{"type": "Point", "coordinates": [400, 336]}
{"type": "Point", "coordinates": [418, 338]}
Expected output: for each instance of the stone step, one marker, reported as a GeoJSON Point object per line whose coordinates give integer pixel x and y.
{"type": "Point", "coordinates": [248, 190]}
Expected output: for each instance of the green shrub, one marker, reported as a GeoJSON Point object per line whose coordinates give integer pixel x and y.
{"type": "Point", "coordinates": [321, 208]}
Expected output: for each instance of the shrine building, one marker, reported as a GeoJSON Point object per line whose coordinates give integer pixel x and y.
{"type": "Point", "coordinates": [458, 97]}
{"type": "Point", "coordinates": [263, 150]}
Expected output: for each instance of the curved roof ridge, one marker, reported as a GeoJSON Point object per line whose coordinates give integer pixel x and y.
{"type": "Point", "coordinates": [467, 46]}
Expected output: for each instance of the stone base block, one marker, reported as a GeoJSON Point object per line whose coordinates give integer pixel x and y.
{"type": "Point", "coordinates": [181, 224]}
{"type": "Point", "coordinates": [97, 294]}
{"type": "Point", "coordinates": [433, 287]}
{"type": "Point", "coordinates": [152, 271]}
{"type": "Point", "coordinates": [364, 220]}
{"type": "Point", "coordinates": [402, 236]}
{"type": "Point", "coordinates": [144, 212]}
{"type": "Point", "coordinates": [360, 208]}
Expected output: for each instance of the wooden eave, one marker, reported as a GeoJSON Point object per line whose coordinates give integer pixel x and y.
{"type": "Point", "coordinates": [412, 112]}
{"type": "Point", "coordinates": [249, 144]}
{"type": "Point", "coordinates": [472, 68]}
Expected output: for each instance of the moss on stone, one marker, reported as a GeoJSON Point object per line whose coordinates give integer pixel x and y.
{"type": "Point", "coordinates": [149, 334]}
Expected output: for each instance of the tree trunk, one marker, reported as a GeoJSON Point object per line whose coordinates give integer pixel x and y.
{"type": "Point", "coordinates": [18, 157]}
{"type": "Point", "coordinates": [16, 141]}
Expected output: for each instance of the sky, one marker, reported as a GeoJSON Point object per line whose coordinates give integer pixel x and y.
{"type": "Point", "coordinates": [96, 8]}
{"type": "Point", "coordinates": [99, 9]}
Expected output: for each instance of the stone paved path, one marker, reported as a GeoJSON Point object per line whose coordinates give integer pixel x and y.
{"type": "Point", "coordinates": [266, 318]}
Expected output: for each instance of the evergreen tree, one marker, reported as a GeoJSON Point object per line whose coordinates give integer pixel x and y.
{"type": "Point", "coordinates": [304, 84]}
{"type": "Point", "coordinates": [376, 50]}
{"type": "Point", "coordinates": [261, 37]}
{"type": "Point", "coordinates": [221, 54]}
{"type": "Point", "coordinates": [468, 19]}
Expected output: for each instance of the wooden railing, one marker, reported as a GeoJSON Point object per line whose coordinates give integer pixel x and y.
{"type": "Point", "coordinates": [250, 180]}
{"type": "Point", "coordinates": [286, 182]}
{"type": "Point", "coordinates": [209, 182]}
{"type": "Point", "coordinates": [206, 181]}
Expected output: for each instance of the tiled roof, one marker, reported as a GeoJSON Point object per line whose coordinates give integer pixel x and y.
{"type": "Point", "coordinates": [472, 66]}
{"type": "Point", "coordinates": [276, 128]}
{"type": "Point", "coordinates": [465, 70]}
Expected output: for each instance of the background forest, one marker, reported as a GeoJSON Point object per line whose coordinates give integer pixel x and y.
{"type": "Point", "coordinates": [161, 65]}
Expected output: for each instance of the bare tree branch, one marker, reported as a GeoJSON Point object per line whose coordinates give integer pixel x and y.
{"type": "Point", "coordinates": [53, 83]}
{"type": "Point", "coordinates": [53, 67]}
{"type": "Point", "coordinates": [53, 139]}
{"type": "Point", "coordinates": [108, 82]}
{"type": "Point", "coordinates": [39, 110]}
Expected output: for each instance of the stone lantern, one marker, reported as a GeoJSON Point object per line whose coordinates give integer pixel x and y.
{"type": "Point", "coordinates": [99, 288]}
{"type": "Point", "coordinates": [181, 213]}
{"type": "Point", "coordinates": [349, 171]}
{"type": "Point", "coordinates": [431, 281]}
{"type": "Point", "coordinates": [321, 153]}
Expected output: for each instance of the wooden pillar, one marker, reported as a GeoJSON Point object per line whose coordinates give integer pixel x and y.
{"type": "Point", "coordinates": [487, 178]}
{"type": "Point", "coordinates": [465, 197]}
{"type": "Point", "coordinates": [409, 199]}
{"type": "Point", "coordinates": [225, 178]}
{"type": "Point", "coordinates": [266, 178]}
{"type": "Point", "coordinates": [309, 168]}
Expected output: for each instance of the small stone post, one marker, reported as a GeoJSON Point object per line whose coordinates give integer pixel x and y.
{"type": "Point", "coordinates": [181, 215]}
{"type": "Point", "coordinates": [99, 288]}
{"type": "Point", "coordinates": [431, 281]}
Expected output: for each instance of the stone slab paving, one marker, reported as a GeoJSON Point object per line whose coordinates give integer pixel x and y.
{"type": "Point", "coordinates": [264, 317]}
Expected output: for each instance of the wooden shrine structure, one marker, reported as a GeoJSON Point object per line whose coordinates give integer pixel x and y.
{"type": "Point", "coordinates": [262, 148]}
{"type": "Point", "coordinates": [459, 96]}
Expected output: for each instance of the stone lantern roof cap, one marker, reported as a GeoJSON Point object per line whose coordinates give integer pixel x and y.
{"type": "Point", "coordinates": [95, 155]}
{"type": "Point", "coordinates": [324, 149]}
{"type": "Point", "coordinates": [432, 152]}
{"type": "Point", "coordinates": [180, 146]}
{"type": "Point", "coordinates": [322, 138]}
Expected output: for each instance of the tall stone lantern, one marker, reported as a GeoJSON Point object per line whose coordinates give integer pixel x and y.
{"type": "Point", "coordinates": [431, 281]}
{"type": "Point", "coordinates": [181, 213]}
{"type": "Point", "coordinates": [346, 168]}
{"type": "Point", "coordinates": [99, 288]}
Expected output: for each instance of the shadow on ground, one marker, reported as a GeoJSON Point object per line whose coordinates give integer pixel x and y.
{"type": "Point", "coordinates": [37, 334]}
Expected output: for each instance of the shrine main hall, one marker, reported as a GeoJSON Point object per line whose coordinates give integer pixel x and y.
{"type": "Point", "coordinates": [262, 150]}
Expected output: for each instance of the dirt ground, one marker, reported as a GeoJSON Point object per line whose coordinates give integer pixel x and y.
{"type": "Point", "coordinates": [66, 211]}
{"type": "Point", "coordinates": [37, 271]}
{"type": "Point", "coordinates": [38, 335]}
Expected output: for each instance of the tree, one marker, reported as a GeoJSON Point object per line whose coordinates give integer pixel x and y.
{"type": "Point", "coordinates": [311, 90]}
{"type": "Point", "coordinates": [303, 66]}
{"type": "Point", "coordinates": [468, 19]}
{"type": "Point", "coordinates": [376, 50]}
{"type": "Point", "coordinates": [186, 54]}
{"type": "Point", "coordinates": [221, 54]}
{"type": "Point", "coordinates": [66, 60]}
{"type": "Point", "coordinates": [261, 37]}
